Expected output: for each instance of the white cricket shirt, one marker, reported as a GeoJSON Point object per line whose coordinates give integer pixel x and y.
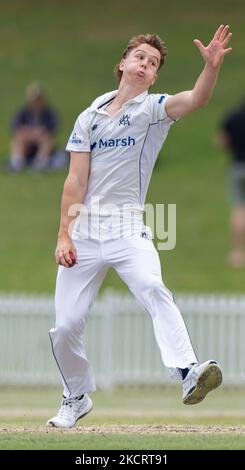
{"type": "Point", "coordinates": [124, 148]}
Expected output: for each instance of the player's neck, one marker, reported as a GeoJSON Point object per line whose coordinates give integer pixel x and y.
{"type": "Point", "coordinates": [127, 92]}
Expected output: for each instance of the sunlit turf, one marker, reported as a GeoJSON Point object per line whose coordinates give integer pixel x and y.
{"type": "Point", "coordinates": [27, 409]}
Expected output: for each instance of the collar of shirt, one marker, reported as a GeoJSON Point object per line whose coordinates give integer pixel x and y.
{"type": "Point", "coordinates": [109, 96]}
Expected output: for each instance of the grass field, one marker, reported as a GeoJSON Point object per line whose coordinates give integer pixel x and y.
{"type": "Point", "coordinates": [129, 418]}
{"type": "Point", "coordinates": [72, 48]}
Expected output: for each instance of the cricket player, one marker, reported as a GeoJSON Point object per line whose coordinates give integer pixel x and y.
{"type": "Point", "coordinates": [113, 148]}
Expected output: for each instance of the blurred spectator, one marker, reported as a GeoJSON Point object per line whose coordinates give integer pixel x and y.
{"type": "Point", "coordinates": [232, 139]}
{"type": "Point", "coordinates": [34, 128]}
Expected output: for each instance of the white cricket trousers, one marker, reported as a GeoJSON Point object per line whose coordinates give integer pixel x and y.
{"type": "Point", "coordinates": [137, 263]}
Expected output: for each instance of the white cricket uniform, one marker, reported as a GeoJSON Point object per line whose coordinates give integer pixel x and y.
{"type": "Point", "coordinates": [111, 233]}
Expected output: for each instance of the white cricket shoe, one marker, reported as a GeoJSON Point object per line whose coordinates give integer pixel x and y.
{"type": "Point", "coordinates": [70, 411]}
{"type": "Point", "coordinates": [201, 379]}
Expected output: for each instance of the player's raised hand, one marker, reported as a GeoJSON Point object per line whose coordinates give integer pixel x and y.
{"type": "Point", "coordinates": [214, 53]}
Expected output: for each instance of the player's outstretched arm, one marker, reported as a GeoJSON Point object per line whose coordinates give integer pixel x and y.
{"type": "Point", "coordinates": [213, 54]}
{"type": "Point", "coordinates": [75, 188]}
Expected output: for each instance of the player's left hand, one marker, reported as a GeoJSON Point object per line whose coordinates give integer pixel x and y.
{"type": "Point", "coordinates": [214, 53]}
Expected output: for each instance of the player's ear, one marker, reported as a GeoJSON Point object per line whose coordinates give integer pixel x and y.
{"type": "Point", "coordinates": [121, 65]}
{"type": "Point", "coordinates": [153, 81]}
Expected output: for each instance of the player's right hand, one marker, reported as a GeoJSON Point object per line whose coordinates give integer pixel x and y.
{"type": "Point", "coordinates": [65, 253]}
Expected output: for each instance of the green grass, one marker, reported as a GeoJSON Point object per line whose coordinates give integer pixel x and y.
{"type": "Point", "coordinates": [39, 441]}
{"type": "Point", "coordinates": [23, 412]}
{"type": "Point", "coordinates": [72, 48]}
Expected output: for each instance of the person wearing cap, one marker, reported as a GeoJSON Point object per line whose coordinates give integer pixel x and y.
{"type": "Point", "coordinates": [34, 127]}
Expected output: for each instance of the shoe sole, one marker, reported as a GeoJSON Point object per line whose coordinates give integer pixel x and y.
{"type": "Point", "coordinates": [209, 379]}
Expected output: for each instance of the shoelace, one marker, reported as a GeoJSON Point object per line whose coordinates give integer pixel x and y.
{"type": "Point", "coordinates": [69, 406]}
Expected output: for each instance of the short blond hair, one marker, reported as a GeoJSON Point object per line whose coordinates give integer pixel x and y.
{"type": "Point", "coordinates": [152, 39]}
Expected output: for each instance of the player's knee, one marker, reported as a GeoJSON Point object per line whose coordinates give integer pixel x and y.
{"type": "Point", "coordinates": [65, 330]}
{"type": "Point", "coordinates": [150, 284]}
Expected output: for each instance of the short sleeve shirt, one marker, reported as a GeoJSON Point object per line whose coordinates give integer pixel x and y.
{"type": "Point", "coordinates": [123, 147]}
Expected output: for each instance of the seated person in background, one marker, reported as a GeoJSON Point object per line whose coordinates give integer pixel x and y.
{"type": "Point", "coordinates": [34, 127]}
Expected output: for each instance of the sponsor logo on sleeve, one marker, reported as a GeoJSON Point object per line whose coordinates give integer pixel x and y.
{"type": "Point", "coordinates": [75, 139]}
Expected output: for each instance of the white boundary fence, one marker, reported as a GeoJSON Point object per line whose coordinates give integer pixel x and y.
{"type": "Point", "coordinates": [120, 341]}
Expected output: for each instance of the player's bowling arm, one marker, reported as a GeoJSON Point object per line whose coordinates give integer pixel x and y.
{"type": "Point", "coordinates": [177, 106]}
{"type": "Point", "coordinates": [75, 188]}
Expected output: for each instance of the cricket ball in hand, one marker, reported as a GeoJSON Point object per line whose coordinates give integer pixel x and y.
{"type": "Point", "coordinates": [73, 259]}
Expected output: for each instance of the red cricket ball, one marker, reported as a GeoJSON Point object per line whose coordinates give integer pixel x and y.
{"type": "Point", "coordinates": [73, 259]}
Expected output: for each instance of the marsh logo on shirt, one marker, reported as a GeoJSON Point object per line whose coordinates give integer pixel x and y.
{"type": "Point", "coordinates": [126, 142]}
{"type": "Point", "coordinates": [104, 143]}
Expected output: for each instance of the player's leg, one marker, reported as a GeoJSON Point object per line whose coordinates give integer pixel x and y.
{"type": "Point", "coordinates": [76, 289]}
{"type": "Point", "coordinates": [138, 265]}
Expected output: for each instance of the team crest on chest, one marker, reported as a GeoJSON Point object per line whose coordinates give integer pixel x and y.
{"type": "Point", "coordinates": [125, 120]}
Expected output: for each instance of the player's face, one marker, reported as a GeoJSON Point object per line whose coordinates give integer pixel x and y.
{"type": "Point", "coordinates": [141, 65]}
